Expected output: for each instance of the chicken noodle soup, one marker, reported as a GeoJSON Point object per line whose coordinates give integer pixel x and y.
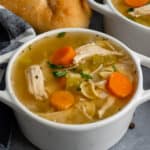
{"type": "Point", "coordinates": [74, 78]}
{"type": "Point", "coordinates": [138, 11]}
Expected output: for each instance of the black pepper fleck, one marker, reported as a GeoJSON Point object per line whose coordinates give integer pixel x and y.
{"type": "Point", "coordinates": [119, 109]}
{"type": "Point", "coordinates": [36, 76]}
{"type": "Point", "coordinates": [132, 125]}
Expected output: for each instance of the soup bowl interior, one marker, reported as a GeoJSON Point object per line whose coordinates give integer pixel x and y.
{"type": "Point", "coordinates": [84, 126]}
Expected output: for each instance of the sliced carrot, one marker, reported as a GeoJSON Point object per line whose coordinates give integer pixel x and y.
{"type": "Point", "coordinates": [62, 100]}
{"type": "Point", "coordinates": [119, 85]}
{"type": "Point", "coordinates": [136, 3]}
{"type": "Point", "coordinates": [63, 56]}
{"type": "Point", "coordinates": [62, 82]}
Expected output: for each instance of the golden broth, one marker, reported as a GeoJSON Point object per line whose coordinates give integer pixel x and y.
{"type": "Point", "coordinates": [124, 9]}
{"type": "Point", "coordinates": [39, 53]}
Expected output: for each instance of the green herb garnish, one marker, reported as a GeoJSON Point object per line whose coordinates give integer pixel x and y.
{"type": "Point", "coordinates": [59, 74]}
{"type": "Point", "coordinates": [53, 66]}
{"type": "Point", "coordinates": [114, 68]}
{"type": "Point", "coordinates": [85, 76]}
{"type": "Point", "coordinates": [61, 34]}
{"type": "Point", "coordinates": [130, 10]}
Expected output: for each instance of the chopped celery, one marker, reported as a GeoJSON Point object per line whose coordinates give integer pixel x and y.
{"type": "Point", "coordinates": [73, 81]}
{"type": "Point", "coordinates": [97, 60]}
{"type": "Point", "coordinates": [110, 59]}
{"type": "Point", "coordinates": [91, 63]}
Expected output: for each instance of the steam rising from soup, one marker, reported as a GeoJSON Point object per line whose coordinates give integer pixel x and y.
{"type": "Point", "coordinates": [74, 78]}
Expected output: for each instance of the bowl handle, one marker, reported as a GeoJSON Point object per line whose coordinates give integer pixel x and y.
{"type": "Point", "coordinates": [5, 98]}
{"type": "Point", "coordinates": [101, 8]}
{"type": "Point", "coordinates": [145, 61]}
{"type": "Point", "coordinates": [4, 95]}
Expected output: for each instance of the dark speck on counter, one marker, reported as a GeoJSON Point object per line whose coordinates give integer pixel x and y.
{"type": "Point", "coordinates": [132, 125]}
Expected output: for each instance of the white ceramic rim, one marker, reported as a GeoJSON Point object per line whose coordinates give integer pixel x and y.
{"type": "Point", "coordinates": [88, 126]}
{"type": "Point", "coordinates": [125, 18]}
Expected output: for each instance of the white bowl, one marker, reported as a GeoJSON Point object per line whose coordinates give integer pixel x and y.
{"type": "Point", "coordinates": [133, 34]}
{"type": "Point", "coordinates": [99, 135]}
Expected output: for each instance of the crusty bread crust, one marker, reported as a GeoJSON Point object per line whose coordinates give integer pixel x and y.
{"type": "Point", "coordinates": [45, 15]}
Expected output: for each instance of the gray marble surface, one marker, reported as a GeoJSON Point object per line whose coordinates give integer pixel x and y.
{"type": "Point", "coordinates": [136, 139]}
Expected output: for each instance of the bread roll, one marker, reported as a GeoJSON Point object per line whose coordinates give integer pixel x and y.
{"type": "Point", "coordinates": [45, 15]}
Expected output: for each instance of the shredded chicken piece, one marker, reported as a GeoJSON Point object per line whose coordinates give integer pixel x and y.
{"type": "Point", "coordinates": [141, 11]}
{"type": "Point", "coordinates": [106, 106]}
{"type": "Point", "coordinates": [91, 49]}
{"type": "Point", "coordinates": [35, 80]}
{"type": "Point", "coordinates": [87, 108]}
{"type": "Point", "coordinates": [84, 111]}
{"type": "Point", "coordinates": [103, 95]}
{"type": "Point", "coordinates": [104, 43]}
{"type": "Point", "coordinates": [110, 46]}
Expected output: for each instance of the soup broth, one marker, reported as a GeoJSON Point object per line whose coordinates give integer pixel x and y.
{"type": "Point", "coordinates": [127, 11]}
{"type": "Point", "coordinates": [77, 93]}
